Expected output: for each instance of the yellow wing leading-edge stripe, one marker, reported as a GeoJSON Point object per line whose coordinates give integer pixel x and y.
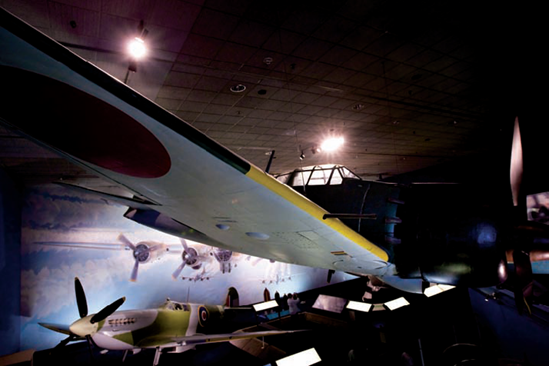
{"type": "Point", "coordinates": [314, 210]}
{"type": "Point", "coordinates": [102, 79]}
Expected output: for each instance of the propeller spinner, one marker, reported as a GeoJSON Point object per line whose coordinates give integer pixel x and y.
{"type": "Point", "coordinates": [87, 325]}
{"type": "Point", "coordinates": [190, 258]}
{"type": "Point", "coordinates": [141, 252]}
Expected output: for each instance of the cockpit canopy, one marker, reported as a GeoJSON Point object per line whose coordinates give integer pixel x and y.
{"type": "Point", "coordinates": [174, 305]}
{"type": "Point", "coordinates": [315, 175]}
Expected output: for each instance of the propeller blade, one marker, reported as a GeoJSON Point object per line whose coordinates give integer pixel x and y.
{"type": "Point", "coordinates": [176, 273]}
{"type": "Point", "coordinates": [126, 241]}
{"type": "Point", "coordinates": [107, 310]}
{"type": "Point", "coordinates": [184, 243]}
{"type": "Point", "coordinates": [80, 298]}
{"type": "Point", "coordinates": [516, 164]}
{"type": "Point", "coordinates": [133, 277]}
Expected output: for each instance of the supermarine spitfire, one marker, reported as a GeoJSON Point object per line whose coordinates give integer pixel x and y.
{"type": "Point", "coordinates": [174, 327]}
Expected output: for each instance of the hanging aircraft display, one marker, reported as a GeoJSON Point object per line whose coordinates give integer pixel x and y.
{"type": "Point", "coordinates": [173, 171]}
{"type": "Point", "coordinates": [174, 327]}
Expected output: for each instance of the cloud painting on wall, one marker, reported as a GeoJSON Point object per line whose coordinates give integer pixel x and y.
{"type": "Point", "coordinates": [67, 234]}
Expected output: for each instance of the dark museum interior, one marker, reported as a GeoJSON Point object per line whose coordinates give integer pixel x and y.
{"type": "Point", "coordinates": [423, 98]}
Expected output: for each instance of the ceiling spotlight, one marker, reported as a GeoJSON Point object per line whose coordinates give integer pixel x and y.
{"type": "Point", "coordinates": [239, 88]}
{"type": "Point", "coordinates": [137, 48]}
{"type": "Point", "coordinates": [302, 156]}
{"type": "Point", "coordinates": [332, 144]}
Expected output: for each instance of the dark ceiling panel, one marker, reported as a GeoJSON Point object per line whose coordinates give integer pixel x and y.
{"type": "Point", "coordinates": [309, 67]}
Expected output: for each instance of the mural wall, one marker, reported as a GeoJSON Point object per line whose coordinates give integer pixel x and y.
{"type": "Point", "coordinates": [67, 234]}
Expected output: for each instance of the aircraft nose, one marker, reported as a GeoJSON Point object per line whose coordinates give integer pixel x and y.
{"type": "Point", "coordinates": [83, 327]}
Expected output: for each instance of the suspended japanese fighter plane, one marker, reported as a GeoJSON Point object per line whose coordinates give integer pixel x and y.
{"type": "Point", "coordinates": [174, 170]}
{"type": "Point", "coordinates": [175, 327]}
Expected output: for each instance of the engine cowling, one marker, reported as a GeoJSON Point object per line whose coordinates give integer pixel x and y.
{"type": "Point", "coordinates": [451, 235]}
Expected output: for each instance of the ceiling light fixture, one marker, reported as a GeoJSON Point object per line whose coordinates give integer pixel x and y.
{"type": "Point", "coordinates": [137, 48]}
{"type": "Point", "coordinates": [238, 88]}
{"type": "Point", "coordinates": [332, 143]}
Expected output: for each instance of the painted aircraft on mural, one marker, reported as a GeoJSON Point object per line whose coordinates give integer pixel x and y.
{"type": "Point", "coordinates": [194, 256]}
{"type": "Point", "coordinates": [174, 327]}
{"type": "Point", "coordinates": [174, 173]}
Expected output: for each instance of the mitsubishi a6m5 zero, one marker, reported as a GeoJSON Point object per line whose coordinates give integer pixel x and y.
{"type": "Point", "coordinates": [174, 172]}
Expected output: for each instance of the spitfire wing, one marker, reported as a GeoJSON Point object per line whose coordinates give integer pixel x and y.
{"type": "Point", "coordinates": [102, 125]}
{"type": "Point", "coordinates": [225, 337]}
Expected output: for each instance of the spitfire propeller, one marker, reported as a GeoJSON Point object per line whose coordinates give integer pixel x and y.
{"type": "Point", "coordinates": [86, 326]}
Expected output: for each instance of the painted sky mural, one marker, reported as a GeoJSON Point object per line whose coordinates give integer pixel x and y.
{"type": "Point", "coordinates": [67, 234]}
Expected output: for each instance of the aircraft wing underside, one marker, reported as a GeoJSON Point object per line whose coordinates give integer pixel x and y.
{"type": "Point", "coordinates": [209, 338]}
{"type": "Point", "coordinates": [106, 127]}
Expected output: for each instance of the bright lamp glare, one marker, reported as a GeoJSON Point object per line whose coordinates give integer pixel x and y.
{"type": "Point", "coordinates": [332, 144]}
{"type": "Point", "coordinates": [304, 358]}
{"type": "Point", "coordinates": [137, 47]}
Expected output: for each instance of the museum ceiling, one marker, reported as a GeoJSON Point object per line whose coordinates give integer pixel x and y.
{"type": "Point", "coordinates": [409, 85]}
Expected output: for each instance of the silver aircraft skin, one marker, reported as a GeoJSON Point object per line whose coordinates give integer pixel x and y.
{"type": "Point", "coordinates": [183, 182]}
{"type": "Point", "coordinates": [186, 184]}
